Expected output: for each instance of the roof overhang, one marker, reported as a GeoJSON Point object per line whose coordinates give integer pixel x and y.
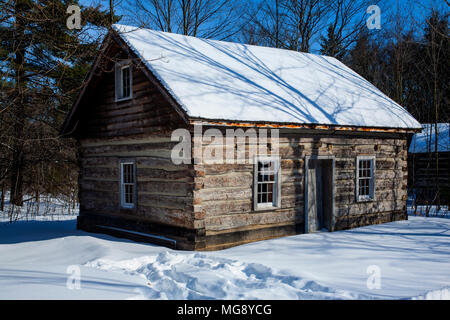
{"type": "Point", "coordinates": [324, 127]}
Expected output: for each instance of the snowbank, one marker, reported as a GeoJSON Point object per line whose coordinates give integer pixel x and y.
{"type": "Point", "coordinates": [412, 260]}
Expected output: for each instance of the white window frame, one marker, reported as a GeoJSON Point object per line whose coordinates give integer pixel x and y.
{"type": "Point", "coordinates": [371, 196]}
{"type": "Point", "coordinates": [120, 66]}
{"type": "Point", "coordinates": [123, 203]}
{"type": "Point", "coordinates": [276, 196]}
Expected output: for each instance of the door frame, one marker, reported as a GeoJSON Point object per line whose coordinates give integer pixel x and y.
{"type": "Point", "coordinates": [307, 158]}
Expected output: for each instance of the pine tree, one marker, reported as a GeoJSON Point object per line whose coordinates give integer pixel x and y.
{"type": "Point", "coordinates": [43, 64]}
{"type": "Point", "coordinates": [332, 45]}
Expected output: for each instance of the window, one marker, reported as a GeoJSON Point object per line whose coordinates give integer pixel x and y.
{"type": "Point", "coordinates": [266, 183]}
{"type": "Point", "coordinates": [365, 178]}
{"type": "Point", "coordinates": [123, 80]}
{"type": "Point", "coordinates": [127, 184]}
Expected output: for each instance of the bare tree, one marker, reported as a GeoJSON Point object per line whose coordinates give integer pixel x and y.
{"type": "Point", "coordinates": [288, 24]}
{"type": "Point", "coordinates": [346, 20]}
{"type": "Point", "coordinates": [266, 24]}
{"type": "Point", "coordinates": [437, 49]}
{"type": "Point", "coordinates": [298, 24]}
{"type": "Point", "coordinates": [220, 19]}
{"type": "Point", "coordinates": [305, 19]}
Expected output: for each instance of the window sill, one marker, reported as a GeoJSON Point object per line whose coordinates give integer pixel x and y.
{"type": "Point", "coordinates": [127, 208]}
{"type": "Point", "coordinates": [266, 208]}
{"type": "Point", "coordinates": [365, 200]}
{"type": "Point", "coordinates": [124, 99]}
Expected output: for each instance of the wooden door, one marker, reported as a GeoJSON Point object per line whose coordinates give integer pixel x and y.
{"type": "Point", "coordinates": [319, 194]}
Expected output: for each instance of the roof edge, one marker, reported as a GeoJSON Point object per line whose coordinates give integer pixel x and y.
{"type": "Point", "coordinates": [285, 125]}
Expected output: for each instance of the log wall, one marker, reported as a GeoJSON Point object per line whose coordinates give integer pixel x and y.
{"type": "Point", "coordinates": [224, 203]}
{"type": "Point", "coordinates": [138, 129]}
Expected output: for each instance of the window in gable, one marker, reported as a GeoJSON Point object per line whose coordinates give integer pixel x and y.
{"type": "Point", "coordinates": [123, 80]}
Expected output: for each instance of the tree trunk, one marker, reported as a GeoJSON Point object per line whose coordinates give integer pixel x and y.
{"type": "Point", "coordinates": [16, 196]}
{"type": "Point", "coordinates": [111, 12]}
{"type": "Point", "coordinates": [2, 199]}
{"type": "Point", "coordinates": [17, 165]}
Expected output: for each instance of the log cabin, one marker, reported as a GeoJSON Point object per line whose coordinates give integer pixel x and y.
{"type": "Point", "coordinates": [429, 167]}
{"type": "Point", "coordinates": [336, 158]}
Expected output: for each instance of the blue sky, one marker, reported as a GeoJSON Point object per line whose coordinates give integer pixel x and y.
{"type": "Point", "coordinates": [416, 10]}
{"type": "Point", "coordinates": [419, 8]}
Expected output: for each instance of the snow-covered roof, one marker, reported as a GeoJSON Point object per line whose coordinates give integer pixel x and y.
{"type": "Point", "coordinates": [424, 141]}
{"type": "Point", "coordinates": [230, 81]}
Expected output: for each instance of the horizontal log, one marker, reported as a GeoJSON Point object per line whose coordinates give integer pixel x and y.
{"type": "Point", "coordinates": [292, 176]}
{"type": "Point", "coordinates": [151, 174]}
{"type": "Point", "coordinates": [98, 206]}
{"type": "Point", "coordinates": [143, 130]}
{"type": "Point", "coordinates": [385, 164]}
{"type": "Point", "coordinates": [349, 197]}
{"type": "Point", "coordinates": [217, 223]}
{"type": "Point", "coordinates": [92, 185]}
{"type": "Point", "coordinates": [174, 217]}
{"type": "Point", "coordinates": [156, 153]}
{"type": "Point", "coordinates": [382, 184]}
{"type": "Point", "coordinates": [228, 180]}
{"type": "Point", "coordinates": [344, 175]}
{"type": "Point", "coordinates": [369, 207]}
{"type": "Point", "coordinates": [160, 163]}
{"type": "Point", "coordinates": [165, 188]}
{"type": "Point", "coordinates": [295, 201]}
{"type": "Point", "coordinates": [98, 162]}
{"type": "Point", "coordinates": [220, 169]}
{"type": "Point", "coordinates": [100, 194]}
{"type": "Point", "coordinates": [292, 188]}
{"type": "Point", "coordinates": [138, 139]}
{"type": "Point", "coordinates": [132, 106]}
{"type": "Point", "coordinates": [165, 201]}
{"type": "Point", "coordinates": [222, 207]}
{"type": "Point", "coordinates": [233, 193]}
{"type": "Point", "coordinates": [142, 121]}
{"type": "Point", "coordinates": [293, 165]}
{"type": "Point", "coordinates": [100, 172]}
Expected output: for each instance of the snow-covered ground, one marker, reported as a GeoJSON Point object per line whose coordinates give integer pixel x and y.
{"type": "Point", "coordinates": [398, 260]}
{"type": "Point", "coordinates": [48, 208]}
{"type": "Point", "coordinates": [433, 211]}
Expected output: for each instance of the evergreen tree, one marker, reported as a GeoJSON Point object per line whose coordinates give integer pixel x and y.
{"type": "Point", "coordinates": [332, 45]}
{"type": "Point", "coordinates": [367, 58]}
{"type": "Point", "coordinates": [42, 67]}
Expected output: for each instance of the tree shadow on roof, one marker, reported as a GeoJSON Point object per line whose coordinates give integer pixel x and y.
{"type": "Point", "coordinates": [331, 102]}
